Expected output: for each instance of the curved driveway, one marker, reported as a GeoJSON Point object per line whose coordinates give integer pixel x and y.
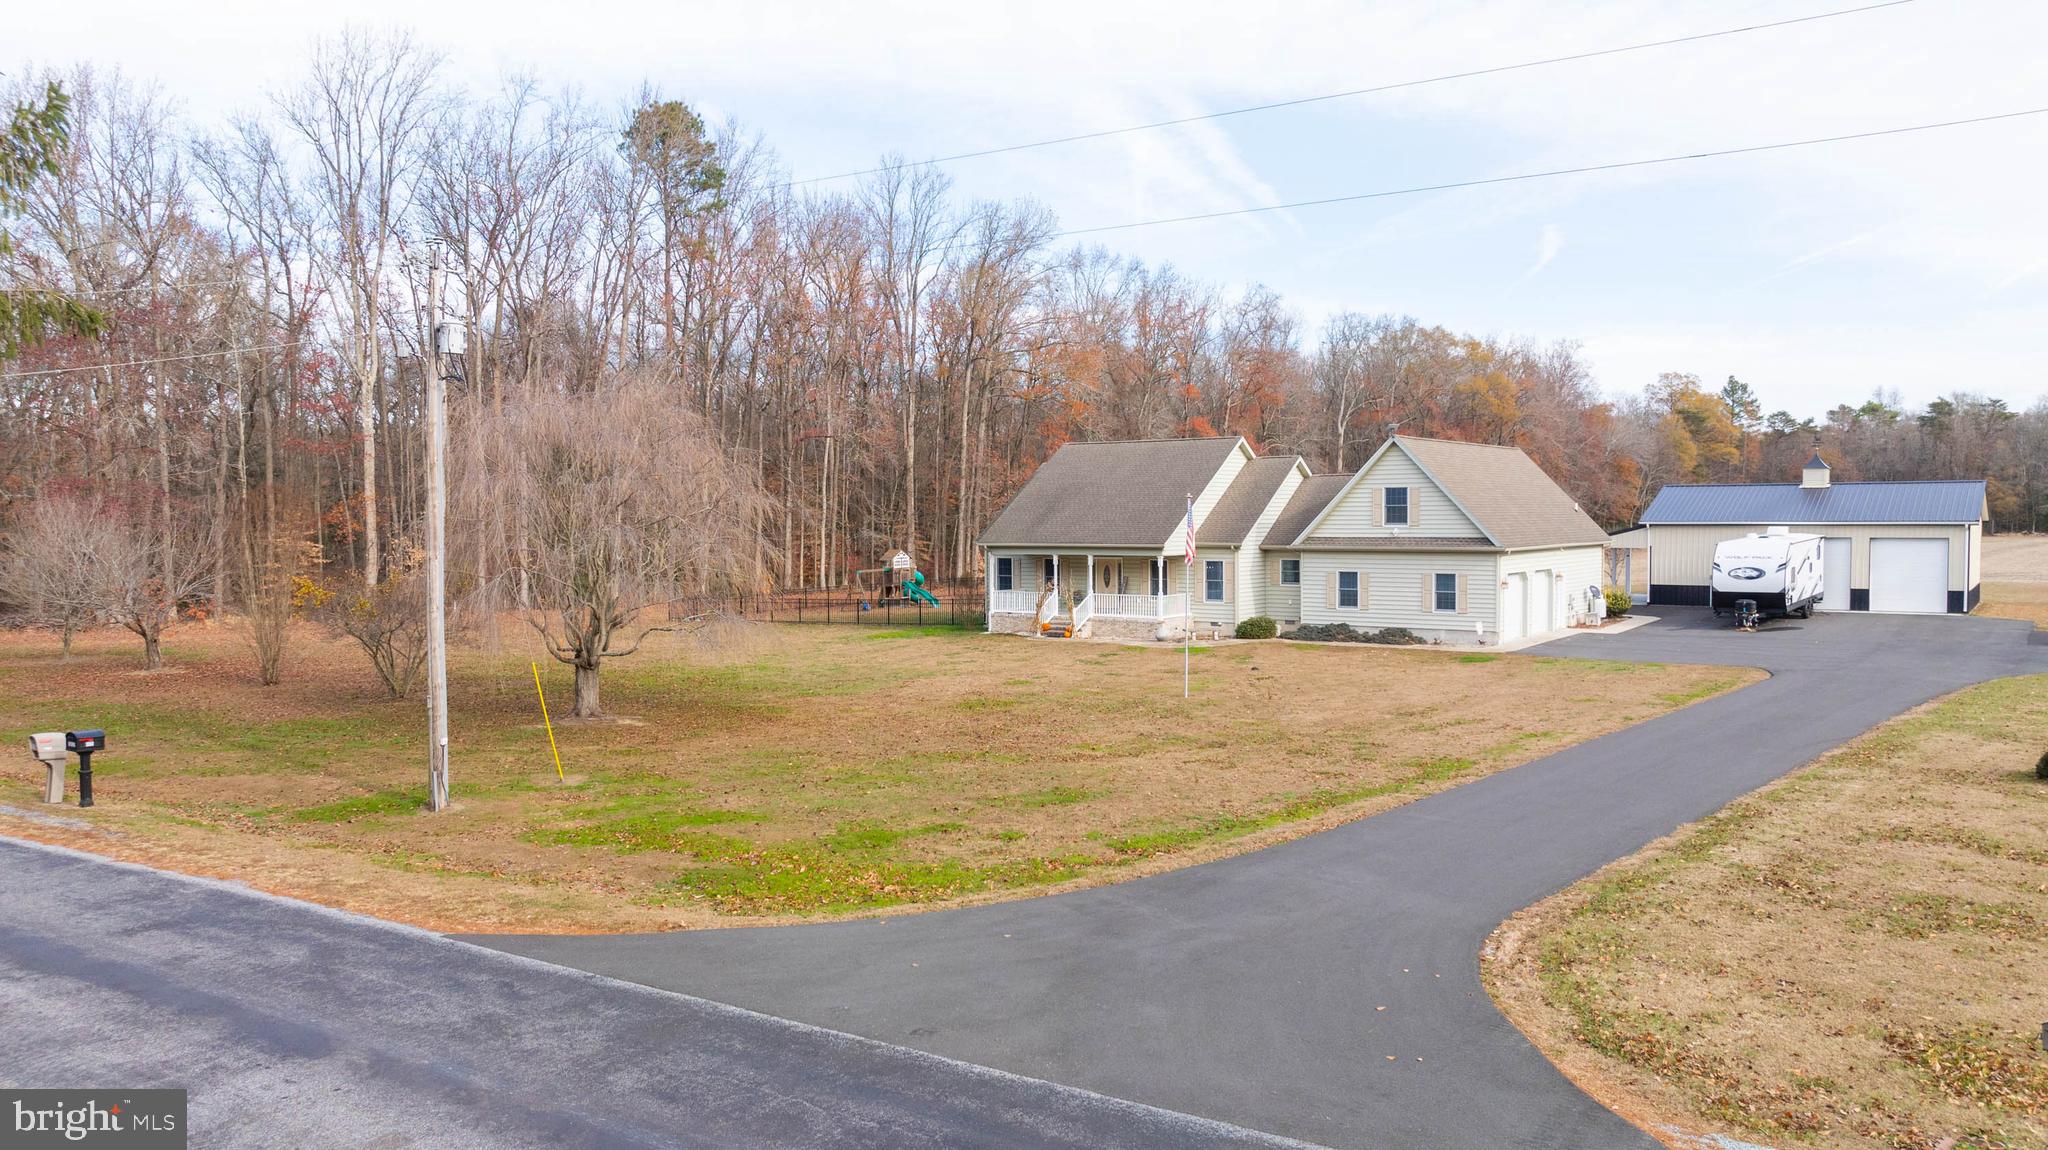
{"type": "Point", "coordinates": [1327, 988]}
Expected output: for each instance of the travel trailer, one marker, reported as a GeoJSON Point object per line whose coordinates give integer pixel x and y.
{"type": "Point", "coordinates": [1777, 570]}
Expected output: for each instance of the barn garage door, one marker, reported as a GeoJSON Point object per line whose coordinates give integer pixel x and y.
{"type": "Point", "coordinates": [1909, 575]}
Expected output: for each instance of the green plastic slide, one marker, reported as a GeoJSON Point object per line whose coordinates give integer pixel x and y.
{"type": "Point", "coordinates": [913, 588]}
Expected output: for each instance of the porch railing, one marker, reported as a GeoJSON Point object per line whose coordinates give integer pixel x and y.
{"type": "Point", "coordinates": [1140, 606]}
{"type": "Point", "coordinates": [1013, 602]}
{"type": "Point", "coordinates": [1083, 611]}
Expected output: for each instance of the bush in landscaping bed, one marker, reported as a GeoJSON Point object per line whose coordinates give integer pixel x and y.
{"type": "Point", "coordinates": [1345, 633]}
{"type": "Point", "coordinates": [2041, 768]}
{"type": "Point", "coordinates": [1258, 627]}
{"type": "Point", "coordinates": [1618, 602]}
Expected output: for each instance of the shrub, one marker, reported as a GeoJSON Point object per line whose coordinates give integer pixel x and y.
{"type": "Point", "coordinates": [1258, 627]}
{"type": "Point", "coordinates": [2041, 768]}
{"type": "Point", "coordinates": [1618, 602]}
{"type": "Point", "coordinates": [1344, 633]}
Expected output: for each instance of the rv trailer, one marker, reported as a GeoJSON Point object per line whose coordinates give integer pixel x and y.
{"type": "Point", "coordinates": [1778, 570]}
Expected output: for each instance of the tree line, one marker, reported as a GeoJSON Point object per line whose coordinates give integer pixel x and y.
{"type": "Point", "coordinates": [227, 353]}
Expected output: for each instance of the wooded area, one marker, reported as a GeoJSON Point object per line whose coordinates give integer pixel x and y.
{"type": "Point", "coordinates": [872, 363]}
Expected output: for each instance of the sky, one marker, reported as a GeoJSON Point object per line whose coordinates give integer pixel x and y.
{"type": "Point", "coordinates": [1915, 264]}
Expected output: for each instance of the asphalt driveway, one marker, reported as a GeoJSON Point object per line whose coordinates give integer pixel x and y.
{"type": "Point", "coordinates": [1328, 988]}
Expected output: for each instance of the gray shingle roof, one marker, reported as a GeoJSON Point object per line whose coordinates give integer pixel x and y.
{"type": "Point", "coordinates": [1930, 501]}
{"type": "Point", "coordinates": [1234, 516]}
{"type": "Point", "coordinates": [1125, 494]}
{"type": "Point", "coordinates": [1305, 504]}
{"type": "Point", "coordinates": [1505, 493]}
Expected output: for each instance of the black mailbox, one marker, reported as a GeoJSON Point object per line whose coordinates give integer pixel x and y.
{"type": "Point", "coordinates": [83, 744]}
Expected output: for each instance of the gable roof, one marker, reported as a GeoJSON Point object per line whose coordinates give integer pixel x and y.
{"type": "Point", "coordinates": [1926, 501]}
{"type": "Point", "coordinates": [1247, 497]}
{"type": "Point", "coordinates": [1129, 493]}
{"type": "Point", "coordinates": [1500, 489]}
{"type": "Point", "coordinates": [1307, 502]}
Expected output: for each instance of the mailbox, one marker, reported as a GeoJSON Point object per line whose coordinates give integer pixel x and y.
{"type": "Point", "coordinates": [85, 743]}
{"type": "Point", "coordinates": [48, 749]}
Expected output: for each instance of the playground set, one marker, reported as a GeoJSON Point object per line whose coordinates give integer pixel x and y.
{"type": "Point", "coordinates": [896, 581]}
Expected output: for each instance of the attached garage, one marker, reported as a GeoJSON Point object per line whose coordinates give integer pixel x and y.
{"type": "Point", "coordinates": [1901, 547]}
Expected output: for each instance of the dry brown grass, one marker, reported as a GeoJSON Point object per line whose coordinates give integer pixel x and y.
{"type": "Point", "coordinates": [1853, 957]}
{"type": "Point", "coordinates": [792, 771]}
{"type": "Point", "coordinates": [2016, 578]}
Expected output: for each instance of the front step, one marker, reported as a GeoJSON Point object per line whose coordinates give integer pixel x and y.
{"type": "Point", "coordinates": [1057, 628]}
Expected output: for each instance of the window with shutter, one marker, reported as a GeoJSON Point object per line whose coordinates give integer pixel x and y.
{"type": "Point", "coordinates": [1446, 592]}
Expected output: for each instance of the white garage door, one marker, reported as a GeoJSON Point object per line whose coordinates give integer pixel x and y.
{"type": "Point", "coordinates": [1513, 599]}
{"type": "Point", "coordinates": [1909, 575]}
{"type": "Point", "coordinates": [1835, 561]}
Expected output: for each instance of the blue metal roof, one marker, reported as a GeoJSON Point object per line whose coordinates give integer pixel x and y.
{"type": "Point", "coordinates": [1931, 501]}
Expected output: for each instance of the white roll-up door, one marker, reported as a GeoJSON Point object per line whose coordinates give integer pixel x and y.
{"type": "Point", "coordinates": [1909, 575]}
{"type": "Point", "coordinates": [1836, 560]}
{"type": "Point", "coordinates": [1514, 599]}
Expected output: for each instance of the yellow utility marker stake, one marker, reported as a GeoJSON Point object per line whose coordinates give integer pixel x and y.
{"type": "Point", "coordinates": [549, 724]}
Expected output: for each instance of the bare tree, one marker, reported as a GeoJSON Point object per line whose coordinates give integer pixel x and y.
{"type": "Point", "coordinates": [388, 621]}
{"type": "Point", "coordinates": [56, 569]}
{"type": "Point", "coordinates": [154, 571]}
{"type": "Point", "coordinates": [626, 503]}
{"type": "Point", "coordinates": [362, 111]}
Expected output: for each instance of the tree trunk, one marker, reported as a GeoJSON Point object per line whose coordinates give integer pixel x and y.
{"type": "Point", "coordinates": [152, 650]}
{"type": "Point", "coordinates": [586, 692]}
{"type": "Point", "coordinates": [69, 630]}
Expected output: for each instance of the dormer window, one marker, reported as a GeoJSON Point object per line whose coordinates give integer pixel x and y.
{"type": "Point", "coordinates": [1397, 507]}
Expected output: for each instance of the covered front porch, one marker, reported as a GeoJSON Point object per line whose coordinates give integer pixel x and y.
{"type": "Point", "coordinates": [1083, 592]}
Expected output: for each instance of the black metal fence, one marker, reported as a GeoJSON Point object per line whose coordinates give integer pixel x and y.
{"type": "Point", "coordinates": [961, 604]}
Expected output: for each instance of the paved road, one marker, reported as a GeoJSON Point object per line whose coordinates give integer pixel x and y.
{"type": "Point", "coordinates": [296, 1026]}
{"type": "Point", "coordinates": [1250, 989]}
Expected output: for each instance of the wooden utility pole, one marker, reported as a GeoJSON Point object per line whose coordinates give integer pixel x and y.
{"type": "Point", "coordinates": [437, 544]}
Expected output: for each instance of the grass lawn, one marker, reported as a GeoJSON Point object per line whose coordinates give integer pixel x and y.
{"type": "Point", "coordinates": [788, 771]}
{"type": "Point", "coordinates": [1855, 956]}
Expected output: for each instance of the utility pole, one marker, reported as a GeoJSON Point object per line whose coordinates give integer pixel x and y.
{"type": "Point", "coordinates": [437, 542]}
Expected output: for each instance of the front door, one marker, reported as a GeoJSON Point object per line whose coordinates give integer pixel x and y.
{"type": "Point", "coordinates": [1542, 596]}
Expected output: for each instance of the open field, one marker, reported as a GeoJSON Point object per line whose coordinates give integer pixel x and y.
{"type": "Point", "coordinates": [1852, 957]}
{"type": "Point", "coordinates": [2016, 578]}
{"type": "Point", "coordinates": [792, 771]}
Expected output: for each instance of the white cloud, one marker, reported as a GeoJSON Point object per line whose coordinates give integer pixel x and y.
{"type": "Point", "coordinates": [1548, 244]}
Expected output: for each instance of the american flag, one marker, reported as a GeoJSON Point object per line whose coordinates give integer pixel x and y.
{"type": "Point", "coordinates": [1191, 531]}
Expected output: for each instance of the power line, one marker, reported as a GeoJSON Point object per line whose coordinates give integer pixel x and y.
{"type": "Point", "coordinates": [1552, 172]}
{"type": "Point", "coordinates": [1418, 189]}
{"type": "Point", "coordinates": [1301, 100]}
{"type": "Point", "coordinates": [155, 360]}
{"type": "Point", "coordinates": [90, 293]}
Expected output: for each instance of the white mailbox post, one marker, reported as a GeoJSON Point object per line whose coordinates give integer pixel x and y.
{"type": "Point", "coordinates": [48, 749]}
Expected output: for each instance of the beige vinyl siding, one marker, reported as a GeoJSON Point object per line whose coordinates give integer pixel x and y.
{"type": "Point", "coordinates": [1281, 600]}
{"type": "Point", "coordinates": [1683, 554]}
{"type": "Point", "coordinates": [1396, 581]}
{"type": "Point", "coordinates": [1430, 511]}
{"type": "Point", "coordinates": [1256, 581]}
{"type": "Point", "coordinates": [1976, 570]}
{"type": "Point", "coordinates": [1207, 498]}
{"type": "Point", "coordinates": [1204, 611]}
{"type": "Point", "coordinates": [1569, 596]}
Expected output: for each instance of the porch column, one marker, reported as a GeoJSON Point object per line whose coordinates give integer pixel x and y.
{"type": "Point", "coordinates": [1091, 576]}
{"type": "Point", "coordinates": [988, 588]}
{"type": "Point", "coordinates": [1056, 579]}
